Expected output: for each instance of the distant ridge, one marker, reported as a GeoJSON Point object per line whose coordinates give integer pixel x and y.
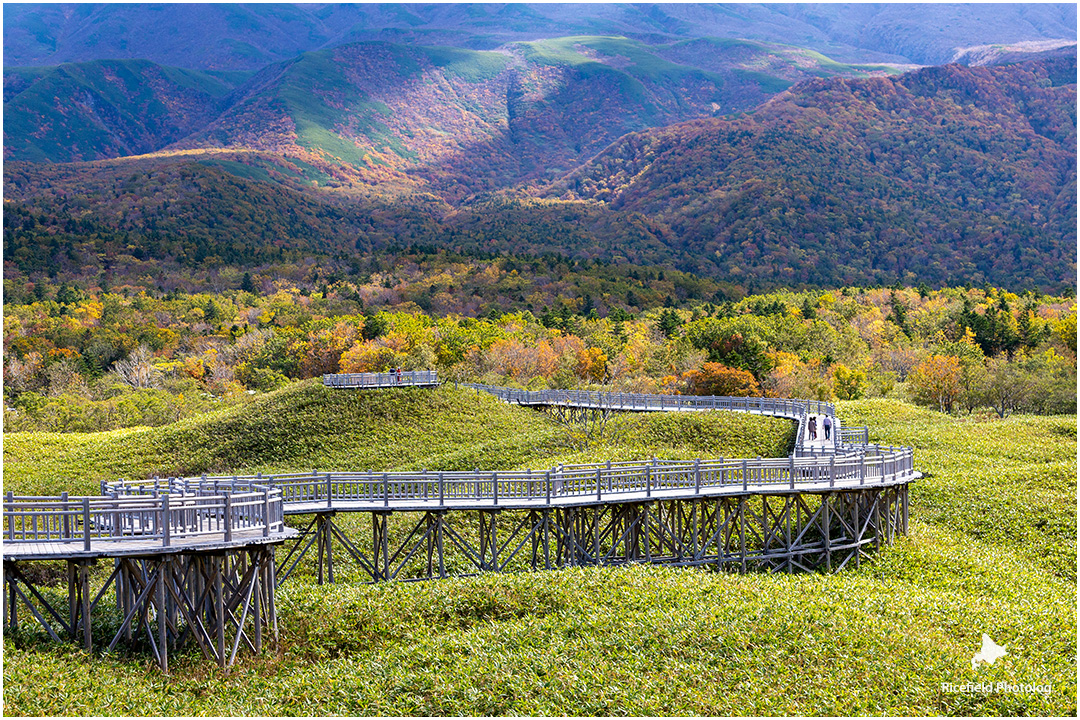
{"type": "Point", "coordinates": [249, 36]}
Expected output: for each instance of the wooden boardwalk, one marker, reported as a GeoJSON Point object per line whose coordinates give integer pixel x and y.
{"type": "Point", "coordinates": [194, 559]}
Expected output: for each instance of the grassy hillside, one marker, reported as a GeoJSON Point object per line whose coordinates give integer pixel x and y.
{"type": "Point", "coordinates": [305, 426]}
{"type": "Point", "coordinates": [641, 640]}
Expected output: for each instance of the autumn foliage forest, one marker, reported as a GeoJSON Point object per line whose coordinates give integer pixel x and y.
{"type": "Point", "coordinates": [100, 358]}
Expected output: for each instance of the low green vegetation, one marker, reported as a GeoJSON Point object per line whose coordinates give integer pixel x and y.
{"type": "Point", "coordinates": [469, 65]}
{"type": "Point", "coordinates": [306, 426]}
{"type": "Point", "coordinates": [991, 550]}
{"type": "Point", "coordinates": [1009, 484]}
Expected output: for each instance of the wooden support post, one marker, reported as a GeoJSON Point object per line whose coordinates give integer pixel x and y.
{"type": "Point", "coordinates": [877, 519]}
{"type": "Point", "coordinates": [765, 525]}
{"type": "Point", "coordinates": [320, 539]}
{"type": "Point", "coordinates": [84, 590]}
{"type": "Point", "coordinates": [271, 569]}
{"type": "Point", "coordinates": [596, 534]}
{"type": "Point", "coordinates": [128, 592]}
{"type": "Point", "coordinates": [571, 554]}
{"type": "Point", "coordinates": [890, 505]}
{"type": "Point", "coordinates": [904, 500]}
{"type": "Point", "coordinates": [73, 597]}
{"type": "Point", "coordinates": [858, 529]}
{"type": "Point", "coordinates": [694, 541]}
{"type": "Point", "coordinates": [788, 500]}
{"type": "Point", "coordinates": [742, 526]}
{"type": "Point", "coordinates": [328, 526]}
{"type": "Point", "coordinates": [9, 600]}
{"type": "Point", "coordinates": [439, 545]}
{"type": "Point", "coordinates": [259, 559]}
{"type": "Point", "coordinates": [547, 531]}
{"type": "Point", "coordinates": [162, 617]}
{"type": "Point", "coordinates": [826, 531]}
{"type": "Point", "coordinates": [219, 609]}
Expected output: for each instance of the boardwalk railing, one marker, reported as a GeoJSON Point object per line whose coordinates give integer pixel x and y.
{"type": "Point", "coordinates": [179, 510]}
{"type": "Point", "coordinates": [637, 401]}
{"type": "Point", "coordinates": [304, 493]}
{"type": "Point", "coordinates": [853, 436]}
{"type": "Point", "coordinates": [381, 380]}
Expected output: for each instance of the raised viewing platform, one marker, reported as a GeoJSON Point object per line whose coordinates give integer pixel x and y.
{"type": "Point", "coordinates": [359, 381]}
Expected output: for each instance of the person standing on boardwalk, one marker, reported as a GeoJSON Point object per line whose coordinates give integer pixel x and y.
{"type": "Point", "coordinates": [827, 424]}
{"type": "Point", "coordinates": [813, 428]}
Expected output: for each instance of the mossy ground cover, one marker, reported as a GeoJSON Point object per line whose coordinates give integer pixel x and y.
{"type": "Point", "coordinates": [651, 640]}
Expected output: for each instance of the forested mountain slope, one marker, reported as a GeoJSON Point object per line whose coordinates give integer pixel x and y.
{"type": "Point", "coordinates": [106, 108]}
{"type": "Point", "coordinates": [944, 173]}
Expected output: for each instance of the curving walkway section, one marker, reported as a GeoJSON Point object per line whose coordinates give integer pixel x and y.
{"type": "Point", "coordinates": [194, 559]}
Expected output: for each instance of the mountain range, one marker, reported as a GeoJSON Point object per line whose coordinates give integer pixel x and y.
{"type": "Point", "coordinates": [230, 36]}
{"type": "Point", "coordinates": [745, 159]}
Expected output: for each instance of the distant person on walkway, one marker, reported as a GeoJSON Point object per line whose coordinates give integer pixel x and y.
{"type": "Point", "coordinates": [827, 424]}
{"type": "Point", "coordinates": [397, 371]}
{"type": "Point", "coordinates": [813, 428]}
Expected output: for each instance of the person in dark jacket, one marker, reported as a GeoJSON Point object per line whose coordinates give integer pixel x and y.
{"type": "Point", "coordinates": [813, 428]}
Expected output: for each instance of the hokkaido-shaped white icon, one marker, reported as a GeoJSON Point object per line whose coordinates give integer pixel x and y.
{"type": "Point", "coordinates": [990, 652]}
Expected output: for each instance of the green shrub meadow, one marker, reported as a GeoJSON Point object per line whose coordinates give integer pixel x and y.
{"type": "Point", "coordinates": [991, 549]}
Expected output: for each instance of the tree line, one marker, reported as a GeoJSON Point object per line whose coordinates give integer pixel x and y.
{"type": "Point", "coordinates": [91, 360]}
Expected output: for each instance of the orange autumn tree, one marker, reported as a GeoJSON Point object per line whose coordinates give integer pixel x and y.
{"type": "Point", "coordinates": [592, 364]}
{"type": "Point", "coordinates": [936, 381]}
{"type": "Point", "coordinates": [719, 379]}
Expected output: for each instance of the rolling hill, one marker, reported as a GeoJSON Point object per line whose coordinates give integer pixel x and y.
{"type": "Point", "coordinates": [307, 425]}
{"type": "Point", "coordinates": [411, 118]}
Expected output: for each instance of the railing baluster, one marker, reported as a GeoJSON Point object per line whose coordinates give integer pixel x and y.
{"type": "Point", "coordinates": [86, 523]}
